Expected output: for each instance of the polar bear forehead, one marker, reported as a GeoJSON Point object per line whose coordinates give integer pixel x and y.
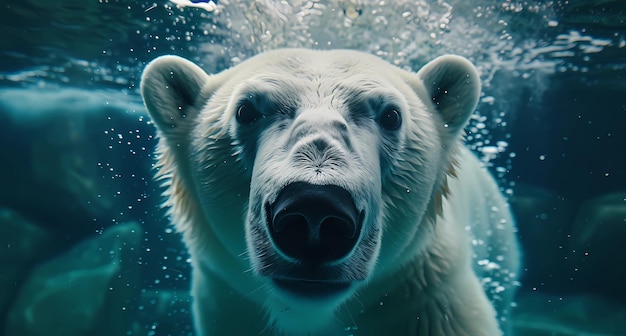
{"type": "Point", "coordinates": [311, 77]}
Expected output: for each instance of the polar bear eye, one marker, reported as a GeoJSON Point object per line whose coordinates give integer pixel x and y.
{"type": "Point", "coordinates": [247, 114]}
{"type": "Point", "coordinates": [390, 119]}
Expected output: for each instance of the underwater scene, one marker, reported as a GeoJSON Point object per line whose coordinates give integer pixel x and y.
{"type": "Point", "coordinates": [87, 246]}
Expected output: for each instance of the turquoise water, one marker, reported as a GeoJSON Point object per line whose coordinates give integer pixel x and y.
{"type": "Point", "coordinates": [77, 144]}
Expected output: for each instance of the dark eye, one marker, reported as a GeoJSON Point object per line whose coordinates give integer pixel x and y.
{"type": "Point", "coordinates": [390, 119]}
{"type": "Point", "coordinates": [247, 114]}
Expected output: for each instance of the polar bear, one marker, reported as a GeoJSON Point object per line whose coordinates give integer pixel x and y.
{"type": "Point", "coordinates": [329, 193]}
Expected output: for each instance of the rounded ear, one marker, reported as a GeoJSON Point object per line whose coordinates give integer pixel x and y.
{"type": "Point", "coordinates": [452, 85]}
{"type": "Point", "coordinates": [171, 87]}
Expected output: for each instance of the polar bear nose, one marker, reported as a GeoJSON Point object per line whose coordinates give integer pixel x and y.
{"type": "Point", "coordinates": [314, 223]}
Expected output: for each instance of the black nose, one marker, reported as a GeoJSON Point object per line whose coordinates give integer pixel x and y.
{"type": "Point", "coordinates": [314, 223]}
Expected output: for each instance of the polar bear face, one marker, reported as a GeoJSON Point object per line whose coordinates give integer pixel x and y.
{"type": "Point", "coordinates": [307, 173]}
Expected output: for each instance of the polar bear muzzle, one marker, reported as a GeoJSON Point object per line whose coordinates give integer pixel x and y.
{"type": "Point", "coordinates": [312, 226]}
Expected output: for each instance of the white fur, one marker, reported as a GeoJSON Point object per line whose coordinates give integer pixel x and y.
{"type": "Point", "coordinates": [431, 211]}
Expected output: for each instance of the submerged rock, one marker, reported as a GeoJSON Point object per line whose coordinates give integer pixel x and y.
{"type": "Point", "coordinates": [595, 249]}
{"type": "Point", "coordinates": [570, 250]}
{"type": "Point", "coordinates": [22, 244]}
{"type": "Point", "coordinates": [85, 291]}
{"type": "Point", "coordinates": [73, 157]}
{"type": "Point", "coordinates": [575, 315]}
{"type": "Point", "coordinates": [544, 220]}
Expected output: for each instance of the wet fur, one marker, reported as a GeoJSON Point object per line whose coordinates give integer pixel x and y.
{"type": "Point", "coordinates": [415, 253]}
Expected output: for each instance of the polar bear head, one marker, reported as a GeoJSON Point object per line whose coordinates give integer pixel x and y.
{"type": "Point", "coordinates": [307, 173]}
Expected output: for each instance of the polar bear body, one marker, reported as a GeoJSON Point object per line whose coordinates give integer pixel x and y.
{"type": "Point", "coordinates": [328, 193]}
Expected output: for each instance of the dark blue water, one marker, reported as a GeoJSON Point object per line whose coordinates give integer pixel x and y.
{"type": "Point", "coordinates": [77, 146]}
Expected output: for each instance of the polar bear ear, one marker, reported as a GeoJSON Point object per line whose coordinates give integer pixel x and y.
{"type": "Point", "coordinates": [171, 87]}
{"type": "Point", "coordinates": [452, 84]}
